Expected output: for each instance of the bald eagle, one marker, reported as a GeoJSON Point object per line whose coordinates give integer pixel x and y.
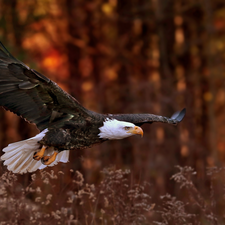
{"type": "Point", "coordinates": [63, 122]}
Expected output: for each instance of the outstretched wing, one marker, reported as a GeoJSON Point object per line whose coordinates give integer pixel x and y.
{"type": "Point", "coordinates": [33, 96]}
{"type": "Point", "coordinates": [140, 119]}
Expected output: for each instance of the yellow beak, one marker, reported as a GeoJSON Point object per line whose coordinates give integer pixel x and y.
{"type": "Point", "coordinates": [136, 130]}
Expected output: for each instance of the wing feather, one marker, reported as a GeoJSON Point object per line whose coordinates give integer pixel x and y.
{"type": "Point", "coordinates": [33, 96]}
{"type": "Point", "coordinates": [140, 119]}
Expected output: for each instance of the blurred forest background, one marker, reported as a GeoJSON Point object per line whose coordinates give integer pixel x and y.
{"type": "Point", "coordinates": [136, 56]}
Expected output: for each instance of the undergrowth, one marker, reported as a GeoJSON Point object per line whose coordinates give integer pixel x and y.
{"type": "Point", "coordinates": [115, 200]}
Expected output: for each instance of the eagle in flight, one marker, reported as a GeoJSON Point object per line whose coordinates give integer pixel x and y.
{"type": "Point", "coordinates": [63, 122]}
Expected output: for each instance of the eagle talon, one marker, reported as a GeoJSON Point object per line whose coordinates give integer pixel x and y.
{"type": "Point", "coordinates": [40, 154]}
{"type": "Point", "coordinates": [47, 160]}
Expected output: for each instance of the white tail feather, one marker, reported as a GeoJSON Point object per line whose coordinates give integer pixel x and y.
{"type": "Point", "coordinates": [18, 156]}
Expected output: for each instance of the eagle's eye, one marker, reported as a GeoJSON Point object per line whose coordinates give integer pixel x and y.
{"type": "Point", "coordinates": [126, 128]}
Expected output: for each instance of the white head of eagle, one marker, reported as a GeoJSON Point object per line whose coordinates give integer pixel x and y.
{"type": "Point", "coordinates": [114, 129]}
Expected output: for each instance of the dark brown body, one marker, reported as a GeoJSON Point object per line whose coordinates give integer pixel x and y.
{"type": "Point", "coordinates": [73, 136]}
{"type": "Point", "coordinates": [80, 134]}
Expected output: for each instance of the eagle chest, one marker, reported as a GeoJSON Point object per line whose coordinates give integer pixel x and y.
{"type": "Point", "coordinates": [83, 136]}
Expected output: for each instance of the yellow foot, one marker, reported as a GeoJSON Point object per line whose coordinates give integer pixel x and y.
{"type": "Point", "coordinates": [47, 160]}
{"type": "Point", "coordinates": [40, 154]}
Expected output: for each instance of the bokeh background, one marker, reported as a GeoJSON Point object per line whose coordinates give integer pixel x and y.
{"type": "Point", "coordinates": [130, 56]}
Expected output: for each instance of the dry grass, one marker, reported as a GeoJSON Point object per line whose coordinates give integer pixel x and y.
{"type": "Point", "coordinates": [115, 200]}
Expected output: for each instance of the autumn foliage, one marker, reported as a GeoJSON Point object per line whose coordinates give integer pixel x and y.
{"type": "Point", "coordinates": [125, 56]}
